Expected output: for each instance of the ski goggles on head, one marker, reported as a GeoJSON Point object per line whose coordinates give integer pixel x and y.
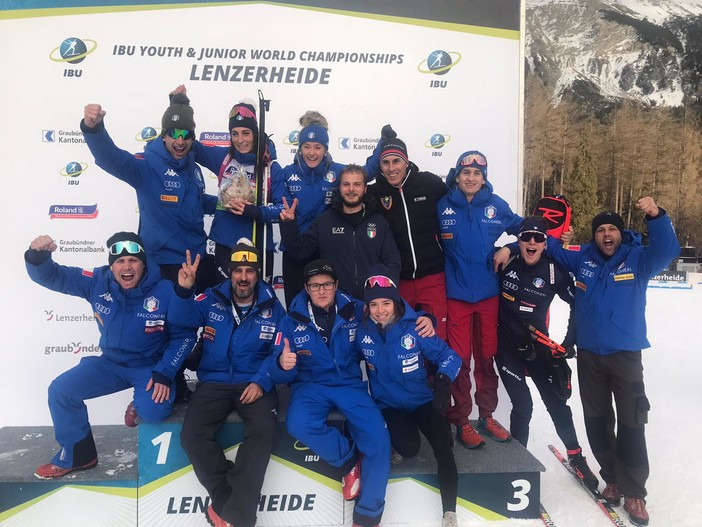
{"type": "Point", "coordinates": [179, 133]}
{"type": "Point", "coordinates": [131, 247]}
{"type": "Point", "coordinates": [244, 257]}
{"type": "Point", "coordinates": [473, 158]}
{"type": "Point", "coordinates": [538, 237]}
{"type": "Point", "coordinates": [380, 281]}
{"type": "Point", "coordinates": [244, 112]}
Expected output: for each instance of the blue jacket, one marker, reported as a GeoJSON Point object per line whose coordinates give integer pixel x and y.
{"type": "Point", "coordinates": [170, 194]}
{"type": "Point", "coordinates": [468, 234]}
{"type": "Point", "coordinates": [610, 295]}
{"type": "Point", "coordinates": [313, 187]}
{"type": "Point", "coordinates": [335, 364]}
{"type": "Point", "coordinates": [231, 353]}
{"type": "Point", "coordinates": [395, 360]}
{"type": "Point", "coordinates": [134, 330]}
{"type": "Point", "coordinates": [227, 227]}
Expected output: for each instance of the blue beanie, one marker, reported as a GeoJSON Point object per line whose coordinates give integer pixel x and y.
{"type": "Point", "coordinates": [472, 158]}
{"type": "Point", "coordinates": [314, 133]}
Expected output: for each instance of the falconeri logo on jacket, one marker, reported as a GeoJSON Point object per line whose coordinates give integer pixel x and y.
{"type": "Point", "coordinates": [490, 212]}
{"type": "Point", "coordinates": [151, 304]}
{"type": "Point", "coordinates": [386, 201]}
{"type": "Point", "coordinates": [408, 342]}
{"type": "Point", "coordinates": [371, 230]}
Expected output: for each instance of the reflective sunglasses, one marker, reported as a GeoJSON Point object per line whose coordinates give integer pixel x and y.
{"type": "Point", "coordinates": [327, 286]}
{"type": "Point", "coordinates": [131, 248]}
{"type": "Point", "coordinates": [538, 237]}
{"type": "Point", "coordinates": [380, 281]}
{"type": "Point", "coordinates": [243, 111]}
{"type": "Point", "coordinates": [177, 133]}
{"type": "Point", "coordinates": [244, 257]}
{"type": "Point", "coordinates": [473, 158]}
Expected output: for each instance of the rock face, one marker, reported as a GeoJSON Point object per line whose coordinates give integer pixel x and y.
{"type": "Point", "coordinates": [600, 52]}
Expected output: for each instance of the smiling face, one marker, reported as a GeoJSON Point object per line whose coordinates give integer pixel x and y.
{"type": "Point", "coordinates": [128, 271]}
{"type": "Point", "coordinates": [242, 139]}
{"type": "Point", "coordinates": [470, 181]}
{"type": "Point", "coordinates": [352, 188]}
{"type": "Point", "coordinates": [382, 310]}
{"type": "Point", "coordinates": [243, 280]}
{"type": "Point", "coordinates": [531, 250]}
{"type": "Point", "coordinates": [608, 239]}
{"type": "Point", "coordinates": [312, 153]}
{"type": "Point", "coordinates": [178, 148]}
{"type": "Point", "coordinates": [394, 168]}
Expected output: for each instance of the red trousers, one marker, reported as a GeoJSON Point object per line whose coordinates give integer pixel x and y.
{"type": "Point", "coordinates": [472, 332]}
{"type": "Point", "coordinates": [427, 293]}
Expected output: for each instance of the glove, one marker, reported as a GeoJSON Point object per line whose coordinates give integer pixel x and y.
{"type": "Point", "coordinates": [527, 351]}
{"type": "Point", "coordinates": [270, 150]}
{"type": "Point", "coordinates": [442, 393]}
{"type": "Point", "coordinates": [387, 132]}
{"type": "Point", "coordinates": [569, 350]}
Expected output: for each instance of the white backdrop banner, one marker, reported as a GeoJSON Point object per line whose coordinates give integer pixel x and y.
{"type": "Point", "coordinates": [445, 75]}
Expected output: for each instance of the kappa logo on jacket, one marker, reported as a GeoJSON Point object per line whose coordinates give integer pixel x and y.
{"type": "Point", "coordinates": [170, 172]}
{"type": "Point", "coordinates": [294, 177]}
{"type": "Point", "coordinates": [300, 327]}
{"type": "Point", "coordinates": [366, 340]}
{"type": "Point", "coordinates": [447, 211]}
{"type": "Point", "coordinates": [107, 297]}
{"type": "Point", "coordinates": [513, 275]}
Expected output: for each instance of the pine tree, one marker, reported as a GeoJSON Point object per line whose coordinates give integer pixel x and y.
{"type": "Point", "coordinates": [583, 187]}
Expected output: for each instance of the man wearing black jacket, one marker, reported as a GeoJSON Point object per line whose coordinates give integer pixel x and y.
{"type": "Point", "coordinates": [408, 199]}
{"type": "Point", "coordinates": [351, 233]}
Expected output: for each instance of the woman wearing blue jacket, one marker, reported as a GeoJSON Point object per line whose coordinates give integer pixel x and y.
{"type": "Point", "coordinates": [311, 179]}
{"type": "Point", "coordinates": [395, 356]}
{"type": "Point", "coordinates": [471, 219]}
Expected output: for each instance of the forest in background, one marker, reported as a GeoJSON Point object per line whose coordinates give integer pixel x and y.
{"type": "Point", "coordinates": [608, 161]}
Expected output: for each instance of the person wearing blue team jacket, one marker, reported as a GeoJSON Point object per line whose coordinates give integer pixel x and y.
{"type": "Point", "coordinates": [395, 356]}
{"type": "Point", "coordinates": [169, 186]}
{"type": "Point", "coordinates": [612, 273]}
{"type": "Point", "coordinates": [471, 219]}
{"type": "Point", "coordinates": [312, 178]}
{"type": "Point", "coordinates": [239, 317]}
{"type": "Point", "coordinates": [140, 348]}
{"type": "Point", "coordinates": [316, 351]}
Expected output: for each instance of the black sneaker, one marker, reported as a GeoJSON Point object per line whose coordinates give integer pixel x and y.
{"type": "Point", "coordinates": [579, 464]}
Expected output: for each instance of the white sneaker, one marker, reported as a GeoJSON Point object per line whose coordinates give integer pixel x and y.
{"type": "Point", "coordinates": [449, 519]}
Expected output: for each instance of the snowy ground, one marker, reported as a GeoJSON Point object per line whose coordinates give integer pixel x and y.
{"type": "Point", "coordinates": [674, 388]}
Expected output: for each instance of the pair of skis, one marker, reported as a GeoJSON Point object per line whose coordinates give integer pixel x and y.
{"type": "Point", "coordinates": [596, 495]}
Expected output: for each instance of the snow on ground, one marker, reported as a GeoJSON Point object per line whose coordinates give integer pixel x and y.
{"type": "Point", "coordinates": [673, 380]}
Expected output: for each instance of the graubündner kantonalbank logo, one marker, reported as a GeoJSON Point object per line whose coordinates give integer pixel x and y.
{"type": "Point", "coordinates": [74, 212]}
{"type": "Point", "coordinates": [73, 50]}
{"type": "Point", "coordinates": [439, 62]}
{"type": "Point", "coordinates": [72, 170]}
{"type": "Point", "coordinates": [436, 142]}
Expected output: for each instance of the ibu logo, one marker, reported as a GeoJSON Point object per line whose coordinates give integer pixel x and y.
{"type": "Point", "coordinates": [147, 134]}
{"type": "Point", "coordinates": [436, 142]}
{"type": "Point", "coordinates": [439, 62]}
{"type": "Point", "coordinates": [73, 50]}
{"type": "Point", "coordinates": [72, 170]}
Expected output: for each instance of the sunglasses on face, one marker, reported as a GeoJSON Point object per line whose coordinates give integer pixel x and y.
{"type": "Point", "coordinates": [380, 281]}
{"type": "Point", "coordinates": [131, 248]}
{"type": "Point", "coordinates": [473, 158]}
{"type": "Point", "coordinates": [177, 133]}
{"type": "Point", "coordinates": [538, 237]}
{"type": "Point", "coordinates": [327, 286]}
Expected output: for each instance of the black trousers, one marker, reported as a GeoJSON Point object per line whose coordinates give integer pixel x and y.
{"type": "Point", "coordinates": [622, 456]}
{"type": "Point", "coordinates": [235, 491]}
{"type": "Point", "coordinates": [513, 369]}
{"type": "Point", "coordinates": [404, 430]}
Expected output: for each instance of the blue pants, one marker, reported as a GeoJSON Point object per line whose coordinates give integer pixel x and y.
{"type": "Point", "coordinates": [306, 421]}
{"type": "Point", "coordinates": [94, 377]}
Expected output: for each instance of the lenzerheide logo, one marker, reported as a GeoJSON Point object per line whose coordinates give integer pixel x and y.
{"type": "Point", "coordinates": [437, 141]}
{"type": "Point", "coordinates": [439, 62]}
{"type": "Point", "coordinates": [76, 212]}
{"type": "Point", "coordinates": [73, 50]}
{"type": "Point", "coordinates": [73, 169]}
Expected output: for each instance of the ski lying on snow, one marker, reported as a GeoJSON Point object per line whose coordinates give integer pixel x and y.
{"type": "Point", "coordinates": [594, 494]}
{"type": "Point", "coordinates": [546, 517]}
